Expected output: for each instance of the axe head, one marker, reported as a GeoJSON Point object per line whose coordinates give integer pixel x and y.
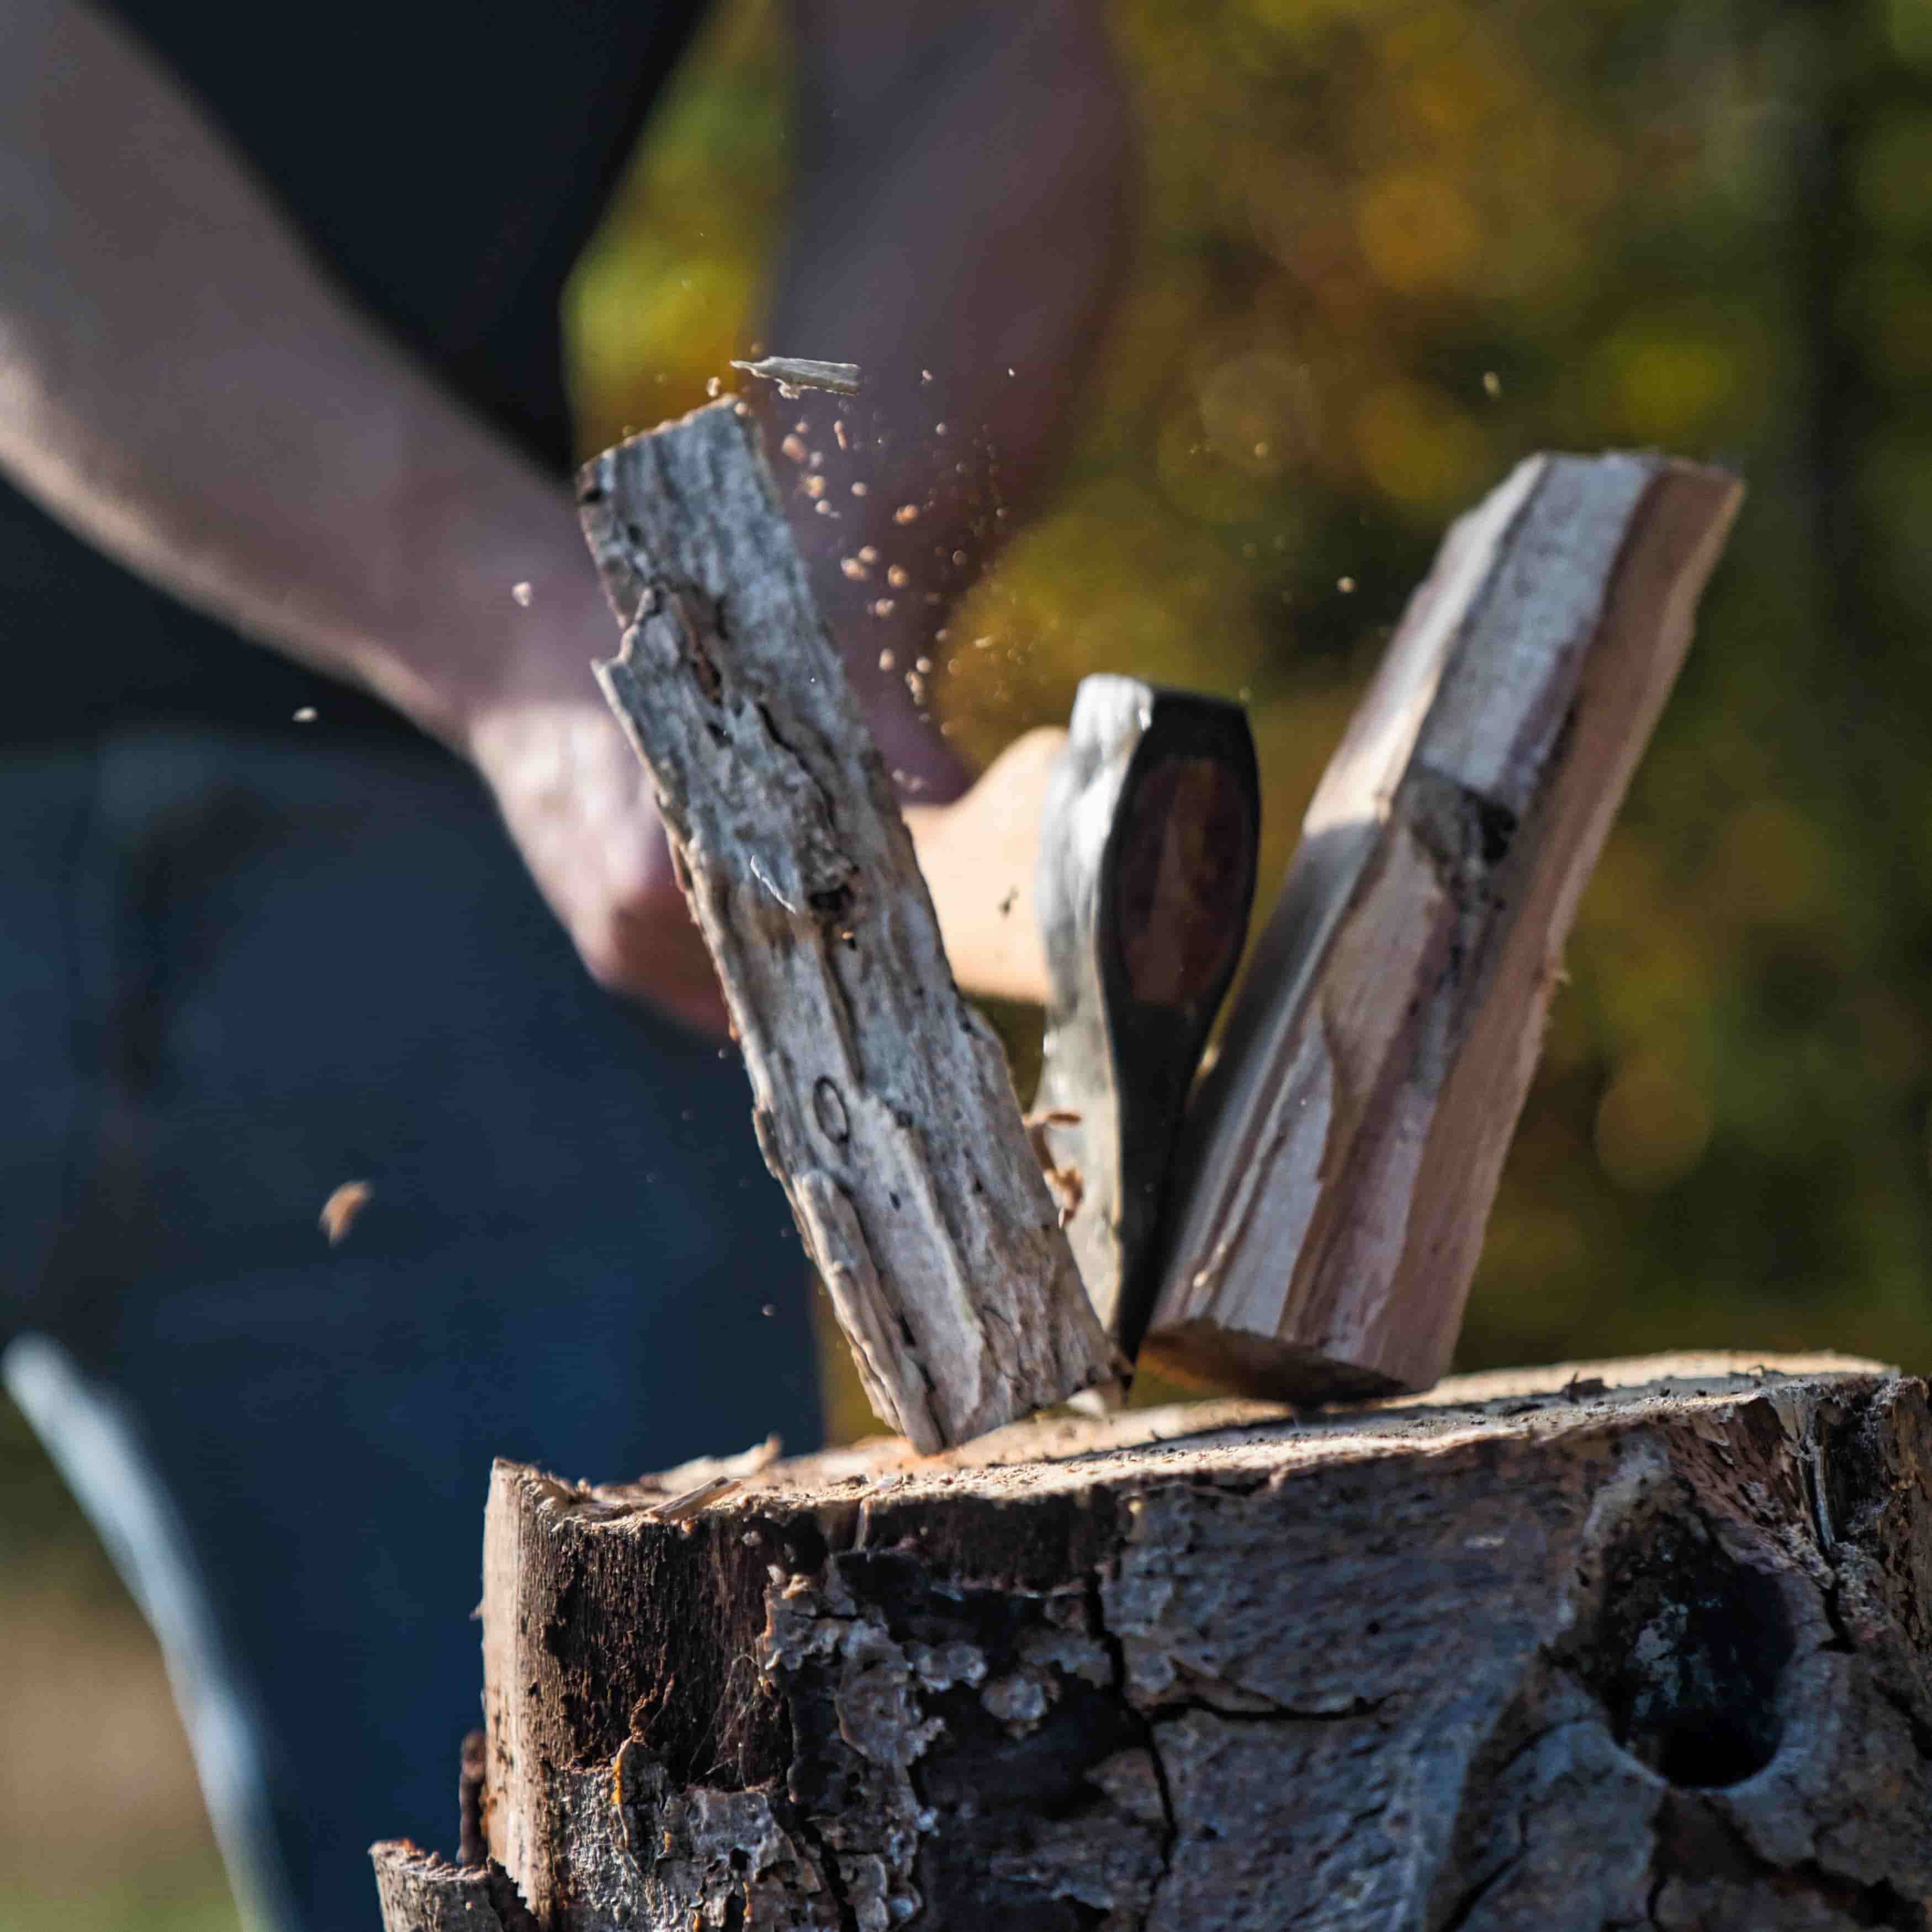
{"type": "Point", "coordinates": [1148, 840]}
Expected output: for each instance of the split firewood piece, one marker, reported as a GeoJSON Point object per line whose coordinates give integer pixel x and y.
{"type": "Point", "coordinates": [1339, 1167]}
{"type": "Point", "coordinates": [881, 1100]}
{"type": "Point", "coordinates": [1146, 874]}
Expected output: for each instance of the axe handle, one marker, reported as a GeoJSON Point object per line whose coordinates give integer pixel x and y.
{"type": "Point", "coordinates": [978, 855]}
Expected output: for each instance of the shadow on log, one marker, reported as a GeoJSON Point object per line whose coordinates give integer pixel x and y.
{"type": "Point", "coordinates": [1640, 1645]}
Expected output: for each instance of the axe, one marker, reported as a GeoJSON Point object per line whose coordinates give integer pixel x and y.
{"type": "Point", "coordinates": [1126, 927]}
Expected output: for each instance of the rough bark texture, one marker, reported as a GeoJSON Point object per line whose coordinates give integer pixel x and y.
{"type": "Point", "coordinates": [1337, 1172]}
{"type": "Point", "coordinates": [418, 1892]}
{"type": "Point", "coordinates": [882, 1100]}
{"type": "Point", "coordinates": [1529, 1655]}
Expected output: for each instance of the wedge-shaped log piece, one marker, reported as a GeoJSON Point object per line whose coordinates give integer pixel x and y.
{"type": "Point", "coordinates": [1146, 871]}
{"type": "Point", "coordinates": [882, 1101]}
{"type": "Point", "coordinates": [1339, 1166]}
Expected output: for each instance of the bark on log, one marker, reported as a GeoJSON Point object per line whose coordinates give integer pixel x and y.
{"type": "Point", "coordinates": [1337, 1171]}
{"type": "Point", "coordinates": [419, 1891]}
{"type": "Point", "coordinates": [1642, 1644]}
{"type": "Point", "coordinates": [882, 1101]}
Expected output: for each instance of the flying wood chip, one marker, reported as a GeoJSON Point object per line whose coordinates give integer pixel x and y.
{"type": "Point", "coordinates": [340, 1210]}
{"type": "Point", "coordinates": [794, 373]}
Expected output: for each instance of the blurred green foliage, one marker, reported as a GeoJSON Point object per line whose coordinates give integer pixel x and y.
{"type": "Point", "coordinates": [1390, 247]}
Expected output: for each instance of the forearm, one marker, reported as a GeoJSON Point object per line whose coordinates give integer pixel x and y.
{"type": "Point", "coordinates": [179, 384]}
{"type": "Point", "coordinates": [961, 221]}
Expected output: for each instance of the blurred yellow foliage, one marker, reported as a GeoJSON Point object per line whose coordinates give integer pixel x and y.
{"type": "Point", "coordinates": [1417, 231]}
{"type": "Point", "coordinates": [1388, 247]}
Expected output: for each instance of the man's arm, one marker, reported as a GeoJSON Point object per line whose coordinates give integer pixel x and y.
{"type": "Point", "coordinates": [960, 221]}
{"type": "Point", "coordinates": [180, 384]}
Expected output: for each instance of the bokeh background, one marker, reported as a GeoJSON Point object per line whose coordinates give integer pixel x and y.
{"type": "Point", "coordinates": [1388, 247]}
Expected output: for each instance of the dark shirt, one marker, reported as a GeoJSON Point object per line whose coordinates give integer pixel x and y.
{"type": "Point", "coordinates": [445, 160]}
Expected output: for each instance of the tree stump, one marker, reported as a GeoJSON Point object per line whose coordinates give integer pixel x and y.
{"type": "Point", "coordinates": [1639, 1644]}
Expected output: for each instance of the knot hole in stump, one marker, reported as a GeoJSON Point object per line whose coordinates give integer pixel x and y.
{"type": "Point", "coordinates": [1687, 1649]}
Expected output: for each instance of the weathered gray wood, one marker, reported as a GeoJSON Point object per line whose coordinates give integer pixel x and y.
{"type": "Point", "coordinates": [1337, 1171]}
{"type": "Point", "coordinates": [882, 1100]}
{"type": "Point", "coordinates": [1640, 1644]}
{"type": "Point", "coordinates": [419, 1891]}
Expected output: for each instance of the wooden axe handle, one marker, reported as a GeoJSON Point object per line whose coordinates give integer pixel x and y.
{"type": "Point", "coordinates": [979, 855]}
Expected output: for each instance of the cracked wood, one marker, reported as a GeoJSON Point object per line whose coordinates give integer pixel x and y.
{"type": "Point", "coordinates": [1337, 1170]}
{"type": "Point", "coordinates": [882, 1100]}
{"type": "Point", "coordinates": [1639, 1644]}
{"type": "Point", "coordinates": [420, 1891]}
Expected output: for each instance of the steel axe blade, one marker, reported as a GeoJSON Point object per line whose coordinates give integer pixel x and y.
{"type": "Point", "coordinates": [1146, 875]}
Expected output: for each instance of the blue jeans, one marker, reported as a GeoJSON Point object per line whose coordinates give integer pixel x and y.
{"type": "Point", "coordinates": [232, 975]}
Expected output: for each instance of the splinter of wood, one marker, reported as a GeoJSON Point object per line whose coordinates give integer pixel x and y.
{"type": "Point", "coordinates": [1146, 874]}
{"type": "Point", "coordinates": [1338, 1171]}
{"type": "Point", "coordinates": [794, 373]}
{"type": "Point", "coordinates": [881, 1100]}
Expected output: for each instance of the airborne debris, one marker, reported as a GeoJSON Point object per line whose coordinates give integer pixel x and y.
{"type": "Point", "coordinates": [523, 594]}
{"type": "Point", "coordinates": [794, 373]}
{"type": "Point", "coordinates": [305, 714]}
{"type": "Point", "coordinates": [340, 1210]}
{"type": "Point", "coordinates": [1064, 1183]}
{"type": "Point", "coordinates": [1067, 1189]}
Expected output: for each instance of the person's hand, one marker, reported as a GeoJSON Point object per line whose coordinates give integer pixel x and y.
{"type": "Point", "coordinates": [579, 805]}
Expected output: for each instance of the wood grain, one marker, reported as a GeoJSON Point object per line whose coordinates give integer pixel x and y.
{"type": "Point", "coordinates": [1338, 1168]}
{"type": "Point", "coordinates": [882, 1101]}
